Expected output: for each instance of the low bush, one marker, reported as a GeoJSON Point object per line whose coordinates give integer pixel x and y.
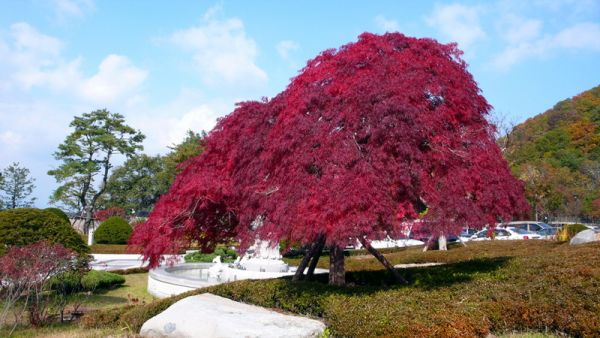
{"type": "Point", "coordinates": [115, 230]}
{"type": "Point", "coordinates": [66, 283]}
{"type": "Point", "coordinates": [569, 231]}
{"type": "Point", "coordinates": [19, 227]}
{"type": "Point", "coordinates": [227, 256]}
{"type": "Point", "coordinates": [96, 280]}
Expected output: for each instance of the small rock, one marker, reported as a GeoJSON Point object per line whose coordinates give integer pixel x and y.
{"type": "Point", "coordinates": [208, 316]}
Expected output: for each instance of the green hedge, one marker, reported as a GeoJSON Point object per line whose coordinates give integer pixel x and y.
{"type": "Point", "coordinates": [28, 225]}
{"type": "Point", "coordinates": [227, 256]}
{"type": "Point", "coordinates": [59, 213]}
{"type": "Point", "coordinates": [71, 282]}
{"type": "Point", "coordinates": [115, 230]}
{"type": "Point", "coordinates": [95, 280]}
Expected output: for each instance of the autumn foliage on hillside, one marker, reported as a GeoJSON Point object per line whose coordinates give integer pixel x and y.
{"type": "Point", "coordinates": [557, 154]}
{"type": "Point", "coordinates": [366, 137]}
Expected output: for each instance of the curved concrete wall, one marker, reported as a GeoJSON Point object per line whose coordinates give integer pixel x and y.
{"type": "Point", "coordinates": [166, 281]}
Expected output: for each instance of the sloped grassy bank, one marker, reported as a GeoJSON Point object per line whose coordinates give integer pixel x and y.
{"type": "Point", "coordinates": [486, 287]}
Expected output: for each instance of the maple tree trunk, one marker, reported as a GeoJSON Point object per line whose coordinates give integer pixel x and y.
{"type": "Point", "coordinates": [381, 258]}
{"type": "Point", "coordinates": [315, 258]}
{"type": "Point", "coordinates": [337, 272]}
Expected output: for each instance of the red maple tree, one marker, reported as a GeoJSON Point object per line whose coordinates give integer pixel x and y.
{"type": "Point", "coordinates": [365, 138]}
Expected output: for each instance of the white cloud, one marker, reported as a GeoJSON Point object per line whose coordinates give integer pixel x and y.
{"type": "Point", "coordinates": [386, 25]}
{"type": "Point", "coordinates": [584, 35]}
{"type": "Point", "coordinates": [580, 36]}
{"type": "Point", "coordinates": [515, 30]}
{"type": "Point", "coordinates": [458, 23]}
{"type": "Point", "coordinates": [65, 9]}
{"type": "Point", "coordinates": [10, 138]}
{"type": "Point", "coordinates": [285, 47]}
{"type": "Point", "coordinates": [116, 77]}
{"type": "Point", "coordinates": [221, 51]}
{"type": "Point", "coordinates": [34, 59]}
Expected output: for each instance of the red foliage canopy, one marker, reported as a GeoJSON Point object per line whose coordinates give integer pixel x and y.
{"type": "Point", "coordinates": [364, 138]}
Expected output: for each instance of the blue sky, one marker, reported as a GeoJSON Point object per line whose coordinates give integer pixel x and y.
{"type": "Point", "coordinates": [179, 65]}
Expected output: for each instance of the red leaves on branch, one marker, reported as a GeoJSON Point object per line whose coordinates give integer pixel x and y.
{"type": "Point", "coordinates": [363, 139]}
{"type": "Point", "coordinates": [103, 215]}
{"type": "Point", "coordinates": [24, 272]}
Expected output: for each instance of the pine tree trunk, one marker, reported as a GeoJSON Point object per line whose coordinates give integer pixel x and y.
{"type": "Point", "coordinates": [337, 272]}
{"type": "Point", "coordinates": [381, 258]}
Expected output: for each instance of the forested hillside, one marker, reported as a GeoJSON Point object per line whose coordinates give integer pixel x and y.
{"type": "Point", "coordinates": [557, 154]}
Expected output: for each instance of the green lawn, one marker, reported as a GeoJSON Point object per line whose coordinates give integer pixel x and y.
{"type": "Point", "coordinates": [132, 292]}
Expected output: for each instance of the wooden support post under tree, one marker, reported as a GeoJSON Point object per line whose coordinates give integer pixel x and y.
{"type": "Point", "coordinates": [315, 258]}
{"type": "Point", "coordinates": [381, 258]}
{"type": "Point", "coordinates": [310, 254]}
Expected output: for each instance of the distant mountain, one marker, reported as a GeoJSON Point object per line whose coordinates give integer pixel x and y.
{"type": "Point", "coordinates": [557, 154]}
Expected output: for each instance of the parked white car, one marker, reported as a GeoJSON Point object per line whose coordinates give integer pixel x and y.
{"type": "Point", "coordinates": [393, 243]}
{"type": "Point", "coordinates": [505, 234]}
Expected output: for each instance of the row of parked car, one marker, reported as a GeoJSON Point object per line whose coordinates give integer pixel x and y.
{"type": "Point", "coordinates": [521, 230]}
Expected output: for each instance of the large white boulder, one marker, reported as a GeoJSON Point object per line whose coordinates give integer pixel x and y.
{"type": "Point", "coordinates": [208, 316]}
{"type": "Point", "coordinates": [586, 236]}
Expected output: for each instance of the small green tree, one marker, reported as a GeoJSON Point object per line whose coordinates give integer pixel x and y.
{"type": "Point", "coordinates": [16, 186]}
{"type": "Point", "coordinates": [87, 156]}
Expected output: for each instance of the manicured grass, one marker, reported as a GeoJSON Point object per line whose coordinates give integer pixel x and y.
{"type": "Point", "coordinates": [488, 287]}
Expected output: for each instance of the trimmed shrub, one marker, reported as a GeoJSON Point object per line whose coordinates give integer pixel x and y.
{"type": "Point", "coordinates": [66, 283]}
{"type": "Point", "coordinates": [227, 256]}
{"type": "Point", "coordinates": [59, 213]}
{"type": "Point", "coordinates": [115, 230]}
{"type": "Point", "coordinates": [569, 231]}
{"type": "Point", "coordinates": [28, 225]}
{"type": "Point", "coordinates": [95, 280]}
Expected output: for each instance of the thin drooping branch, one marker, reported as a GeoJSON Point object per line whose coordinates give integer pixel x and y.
{"type": "Point", "coordinates": [381, 258]}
